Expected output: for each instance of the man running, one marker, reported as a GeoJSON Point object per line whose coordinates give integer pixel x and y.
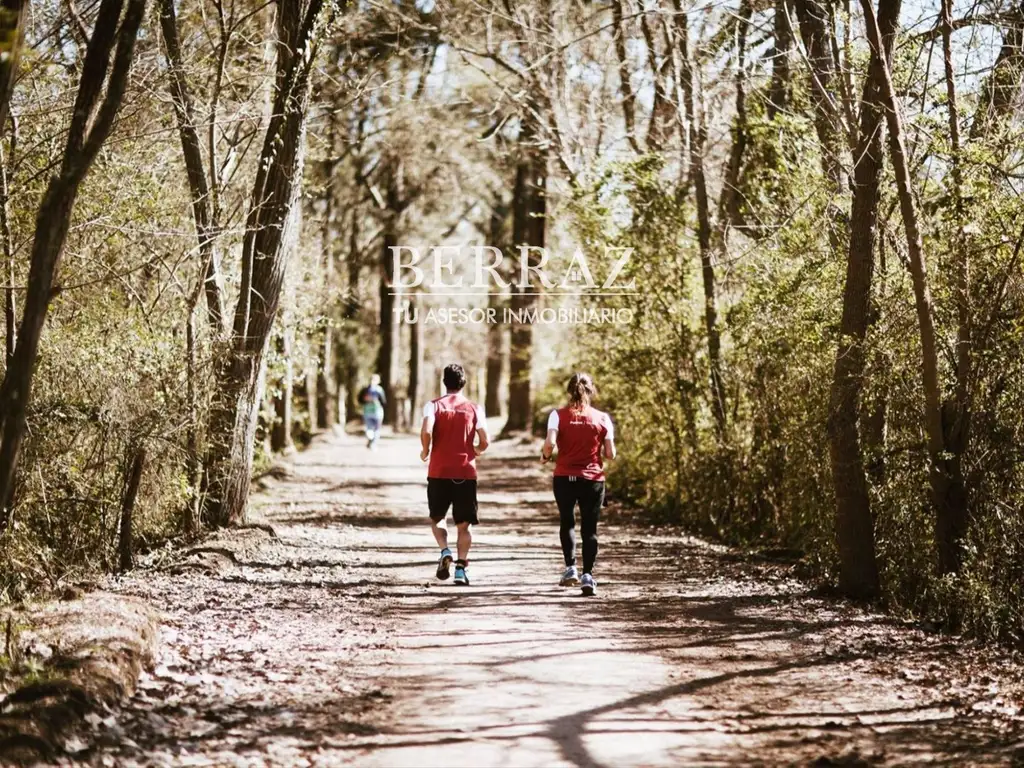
{"type": "Point", "coordinates": [585, 437]}
{"type": "Point", "coordinates": [450, 424]}
{"type": "Point", "coordinates": [373, 400]}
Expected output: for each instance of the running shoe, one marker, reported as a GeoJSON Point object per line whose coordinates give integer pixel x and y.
{"type": "Point", "coordinates": [461, 579]}
{"type": "Point", "coordinates": [444, 564]}
{"type": "Point", "coordinates": [570, 578]}
{"type": "Point", "coordinates": [587, 583]}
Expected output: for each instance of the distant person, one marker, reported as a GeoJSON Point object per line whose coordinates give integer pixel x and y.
{"type": "Point", "coordinates": [584, 437]}
{"type": "Point", "coordinates": [372, 399]}
{"type": "Point", "coordinates": [451, 425]}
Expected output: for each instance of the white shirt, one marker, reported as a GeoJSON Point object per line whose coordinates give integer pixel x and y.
{"type": "Point", "coordinates": [428, 414]}
{"type": "Point", "coordinates": [603, 418]}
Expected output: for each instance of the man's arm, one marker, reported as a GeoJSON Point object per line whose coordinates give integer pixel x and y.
{"type": "Point", "coordinates": [483, 439]}
{"type": "Point", "coordinates": [425, 435]}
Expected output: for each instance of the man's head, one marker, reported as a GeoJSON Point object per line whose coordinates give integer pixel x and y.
{"type": "Point", "coordinates": [454, 377]}
{"type": "Point", "coordinates": [375, 380]}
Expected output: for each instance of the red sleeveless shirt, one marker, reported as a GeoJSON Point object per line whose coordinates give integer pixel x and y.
{"type": "Point", "coordinates": [455, 424]}
{"type": "Point", "coordinates": [581, 436]}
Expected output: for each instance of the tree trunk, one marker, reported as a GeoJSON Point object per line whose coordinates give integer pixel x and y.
{"type": "Point", "coordinates": [780, 89]}
{"type": "Point", "coordinates": [816, 32]}
{"type": "Point", "coordinates": [625, 85]}
{"type": "Point", "coordinates": [698, 136]}
{"type": "Point", "coordinates": [199, 188]}
{"type": "Point", "coordinates": [327, 384]}
{"type": "Point", "coordinates": [730, 201]}
{"type": "Point", "coordinates": [281, 433]}
{"type": "Point", "coordinates": [495, 369]}
{"type": "Point", "coordinates": [10, 308]}
{"type": "Point", "coordinates": [390, 295]}
{"type": "Point", "coordinates": [415, 365]}
{"type": "Point", "coordinates": [528, 229]}
{"type": "Point", "coordinates": [953, 512]}
{"type": "Point", "coordinates": [12, 38]}
{"type": "Point", "coordinates": [125, 545]}
{"type": "Point", "coordinates": [999, 92]}
{"type": "Point", "coordinates": [948, 525]}
{"type": "Point", "coordinates": [110, 50]}
{"type": "Point", "coordinates": [266, 247]}
{"type": "Point", "coordinates": [855, 537]}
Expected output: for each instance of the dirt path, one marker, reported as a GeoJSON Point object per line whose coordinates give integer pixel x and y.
{"type": "Point", "coordinates": [334, 645]}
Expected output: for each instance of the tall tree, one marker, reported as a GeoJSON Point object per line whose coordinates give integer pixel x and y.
{"type": "Point", "coordinates": [858, 572]}
{"type": "Point", "coordinates": [199, 180]}
{"type": "Point", "coordinates": [101, 89]}
{"type": "Point", "coordinates": [697, 139]}
{"type": "Point", "coordinates": [266, 247]}
{"type": "Point", "coordinates": [529, 205]}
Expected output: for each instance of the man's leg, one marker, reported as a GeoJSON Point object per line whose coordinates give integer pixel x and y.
{"type": "Point", "coordinates": [464, 513]}
{"type": "Point", "coordinates": [438, 502]}
{"type": "Point", "coordinates": [465, 541]}
{"type": "Point", "coordinates": [440, 530]}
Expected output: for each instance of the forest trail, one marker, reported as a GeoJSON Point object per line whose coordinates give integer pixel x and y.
{"type": "Point", "coordinates": [336, 645]}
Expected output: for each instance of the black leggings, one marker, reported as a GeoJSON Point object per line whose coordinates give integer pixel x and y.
{"type": "Point", "coordinates": [589, 494]}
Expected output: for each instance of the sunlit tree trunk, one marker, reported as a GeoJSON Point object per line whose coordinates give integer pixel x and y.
{"type": "Point", "coordinates": [265, 250]}
{"type": "Point", "coordinates": [780, 90]}
{"type": "Point", "coordinates": [940, 477]}
{"type": "Point", "coordinates": [698, 137]}
{"type": "Point", "coordinates": [327, 383]}
{"type": "Point", "coordinates": [528, 229]}
{"type": "Point", "coordinates": [858, 571]}
{"type": "Point", "coordinates": [199, 187]}
{"type": "Point", "coordinates": [389, 328]}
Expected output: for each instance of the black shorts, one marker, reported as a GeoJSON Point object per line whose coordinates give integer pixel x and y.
{"type": "Point", "coordinates": [460, 495]}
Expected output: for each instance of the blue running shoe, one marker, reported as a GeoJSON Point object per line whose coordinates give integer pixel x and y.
{"type": "Point", "coordinates": [570, 578]}
{"type": "Point", "coordinates": [461, 579]}
{"type": "Point", "coordinates": [587, 584]}
{"type": "Point", "coordinates": [444, 564]}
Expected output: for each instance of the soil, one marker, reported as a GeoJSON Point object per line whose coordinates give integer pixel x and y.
{"type": "Point", "coordinates": [333, 644]}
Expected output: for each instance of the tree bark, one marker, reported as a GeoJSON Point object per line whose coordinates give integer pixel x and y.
{"type": "Point", "coordinates": [266, 247]}
{"type": "Point", "coordinates": [729, 202]}
{"type": "Point", "coordinates": [495, 331]}
{"type": "Point", "coordinates": [389, 296]}
{"type": "Point", "coordinates": [999, 92]}
{"type": "Point", "coordinates": [625, 86]}
{"type": "Point", "coordinates": [107, 63]}
{"type": "Point", "coordinates": [952, 510]}
{"type": "Point", "coordinates": [780, 89]}
{"type": "Point", "coordinates": [939, 470]}
{"type": "Point", "coordinates": [528, 229]}
{"type": "Point", "coordinates": [415, 365]}
{"type": "Point", "coordinates": [698, 137]}
{"type": "Point", "coordinates": [10, 304]}
{"type": "Point", "coordinates": [12, 38]}
{"type": "Point", "coordinates": [855, 538]}
{"type": "Point", "coordinates": [199, 188]}
{"type": "Point", "coordinates": [125, 545]}
{"type": "Point", "coordinates": [327, 384]}
{"type": "Point", "coordinates": [816, 32]}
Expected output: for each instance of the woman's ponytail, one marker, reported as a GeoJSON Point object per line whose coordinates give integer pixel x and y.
{"type": "Point", "coordinates": [581, 391]}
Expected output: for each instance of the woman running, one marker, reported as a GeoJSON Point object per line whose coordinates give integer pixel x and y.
{"type": "Point", "coordinates": [584, 437]}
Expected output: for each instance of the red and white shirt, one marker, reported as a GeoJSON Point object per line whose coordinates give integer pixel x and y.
{"type": "Point", "coordinates": [581, 436]}
{"type": "Point", "coordinates": [452, 421]}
